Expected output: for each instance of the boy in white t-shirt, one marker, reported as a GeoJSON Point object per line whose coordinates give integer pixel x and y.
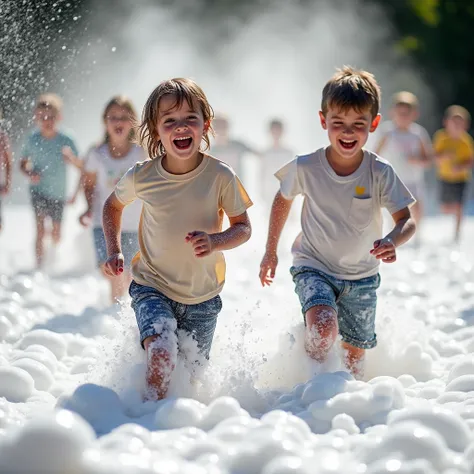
{"type": "Point", "coordinates": [407, 146]}
{"type": "Point", "coordinates": [336, 257]}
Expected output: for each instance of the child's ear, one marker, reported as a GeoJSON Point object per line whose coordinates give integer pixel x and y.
{"type": "Point", "coordinates": [323, 120]}
{"type": "Point", "coordinates": [375, 123]}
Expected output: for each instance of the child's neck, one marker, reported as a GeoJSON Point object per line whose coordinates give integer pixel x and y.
{"type": "Point", "coordinates": [343, 166]}
{"type": "Point", "coordinates": [176, 166]}
{"type": "Point", "coordinates": [48, 134]}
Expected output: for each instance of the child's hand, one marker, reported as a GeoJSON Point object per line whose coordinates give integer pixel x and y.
{"type": "Point", "coordinates": [385, 250]}
{"type": "Point", "coordinates": [114, 265]}
{"type": "Point", "coordinates": [85, 219]}
{"type": "Point", "coordinates": [201, 242]}
{"type": "Point", "coordinates": [35, 177]}
{"type": "Point", "coordinates": [268, 264]}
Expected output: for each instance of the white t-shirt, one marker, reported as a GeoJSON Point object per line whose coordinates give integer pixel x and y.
{"type": "Point", "coordinates": [109, 171]}
{"type": "Point", "coordinates": [342, 215]}
{"type": "Point", "coordinates": [272, 160]}
{"type": "Point", "coordinates": [400, 145]}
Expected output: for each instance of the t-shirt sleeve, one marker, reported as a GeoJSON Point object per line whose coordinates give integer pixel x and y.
{"type": "Point", "coordinates": [425, 140]}
{"type": "Point", "coordinates": [72, 144]}
{"type": "Point", "coordinates": [234, 199]}
{"type": "Point", "coordinates": [125, 188]}
{"type": "Point", "coordinates": [438, 142]}
{"type": "Point", "coordinates": [91, 163]}
{"type": "Point", "coordinates": [394, 195]}
{"type": "Point", "coordinates": [470, 146]}
{"type": "Point", "coordinates": [290, 185]}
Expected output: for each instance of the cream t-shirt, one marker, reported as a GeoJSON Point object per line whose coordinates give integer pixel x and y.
{"type": "Point", "coordinates": [174, 205]}
{"type": "Point", "coordinates": [342, 215]}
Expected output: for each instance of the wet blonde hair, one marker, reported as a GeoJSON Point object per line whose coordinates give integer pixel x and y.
{"type": "Point", "coordinates": [354, 89]}
{"type": "Point", "coordinates": [125, 103]}
{"type": "Point", "coordinates": [182, 89]}
{"type": "Point", "coordinates": [49, 101]}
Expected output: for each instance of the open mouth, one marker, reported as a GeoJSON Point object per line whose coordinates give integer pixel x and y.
{"type": "Point", "coordinates": [348, 144]}
{"type": "Point", "coordinates": [119, 131]}
{"type": "Point", "coordinates": [183, 143]}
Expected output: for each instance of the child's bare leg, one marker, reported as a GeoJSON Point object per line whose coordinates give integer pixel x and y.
{"type": "Point", "coordinates": [321, 331]}
{"type": "Point", "coordinates": [39, 250]}
{"type": "Point", "coordinates": [56, 232]}
{"type": "Point", "coordinates": [354, 360]}
{"type": "Point", "coordinates": [160, 366]}
{"type": "Point", "coordinates": [458, 213]}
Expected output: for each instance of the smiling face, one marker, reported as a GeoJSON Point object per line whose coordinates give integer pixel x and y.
{"type": "Point", "coordinates": [46, 119]}
{"type": "Point", "coordinates": [348, 130]}
{"type": "Point", "coordinates": [118, 123]}
{"type": "Point", "coordinates": [403, 115]}
{"type": "Point", "coordinates": [180, 128]}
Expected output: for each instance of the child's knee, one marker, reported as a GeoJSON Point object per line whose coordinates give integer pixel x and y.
{"type": "Point", "coordinates": [322, 321]}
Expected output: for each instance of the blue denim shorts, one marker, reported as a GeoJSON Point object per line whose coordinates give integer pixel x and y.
{"type": "Point", "coordinates": [152, 308]}
{"type": "Point", "coordinates": [354, 301]}
{"type": "Point", "coordinates": [129, 242]}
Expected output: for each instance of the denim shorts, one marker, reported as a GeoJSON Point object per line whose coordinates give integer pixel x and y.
{"type": "Point", "coordinates": [152, 308]}
{"type": "Point", "coordinates": [45, 206]}
{"type": "Point", "coordinates": [129, 242]}
{"type": "Point", "coordinates": [354, 301]}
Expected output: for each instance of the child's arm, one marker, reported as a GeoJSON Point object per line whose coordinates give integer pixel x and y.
{"type": "Point", "coordinates": [5, 189]}
{"type": "Point", "coordinates": [88, 182]}
{"type": "Point", "coordinates": [385, 249]}
{"type": "Point", "coordinates": [74, 196]}
{"type": "Point", "coordinates": [25, 167]}
{"type": "Point", "coordinates": [280, 210]}
{"type": "Point", "coordinates": [238, 233]}
{"type": "Point", "coordinates": [70, 158]}
{"type": "Point", "coordinates": [112, 221]}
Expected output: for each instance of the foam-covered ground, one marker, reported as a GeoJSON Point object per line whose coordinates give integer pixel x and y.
{"type": "Point", "coordinates": [72, 372]}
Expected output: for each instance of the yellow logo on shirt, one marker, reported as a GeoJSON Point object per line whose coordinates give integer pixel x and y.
{"type": "Point", "coordinates": [360, 190]}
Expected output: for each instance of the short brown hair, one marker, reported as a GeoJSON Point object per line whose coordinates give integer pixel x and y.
{"type": "Point", "coordinates": [49, 101]}
{"type": "Point", "coordinates": [125, 103]}
{"type": "Point", "coordinates": [458, 111]}
{"type": "Point", "coordinates": [182, 89]}
{"type": "Point", "coordinates": [350, 88]}
{"type": "Point", "coordinates": [405, 98]}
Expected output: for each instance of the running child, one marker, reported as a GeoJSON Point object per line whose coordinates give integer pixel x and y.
{"type": "Point", "coordinates": [336, 257]}
{"type": "Point", "coordinates": [44, 156]}
{"type": "Point", "coordinates": [180, 269]}
{"type": "Point", "coordinates": [5, 167]}
{"type": "Point", "coordinates": [407, 146]}
{"type": "Point", "coordinates": [104, 165]}
{"type": "Point", "coordinates": [454, 153]}
{"type": "Point", "coordinates": [272, 159]}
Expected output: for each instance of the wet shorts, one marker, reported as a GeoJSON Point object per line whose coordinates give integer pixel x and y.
{"type": "Point", "coordinates": [45, 206]}
{"type": "Point", "coordinates": [129, 242]}
{"type": "Point", "coordinates": [452, 193]}
{"type": "Point", "coordinates": [354, 301]}
{"type": "Point", "coordinates": [153, 309]}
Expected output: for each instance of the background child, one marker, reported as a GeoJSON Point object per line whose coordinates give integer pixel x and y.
{"type": "Point", "coordinates": [180, 269]}
{"type": "Point", "coordinates": [407, 146]}
{"type": "Point", "coordinates": [229, 150]}
{"type": "Point", "coordinates": [5, 166]}
{"type": "Point", "coordinates": [104, 165]}
{"type": "Point", "coordinates": [336, 257]}
{"type": "Point", "coordinates": [44, 156]}
{"type": "Point", "coordinates": [454, 149]}
{"type": "Point", "coordinates": [272, 159]}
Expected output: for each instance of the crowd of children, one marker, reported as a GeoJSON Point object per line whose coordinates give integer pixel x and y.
{"type": "Point", "coordinates": [157, 193]}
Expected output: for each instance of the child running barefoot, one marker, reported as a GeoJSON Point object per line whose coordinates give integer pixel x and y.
{"type": "Point", "coordinates": [44, 156]}
{"type": "Point", "coordinates": [407, 146]}
{"type": "Point", "coordinates": [180, 269]}
{"type": "Point", "coordinates": [104, 165]}
{"type": "Point", "coordinates": [336, 257]}
{"type": "Point", "coordinates": [454, 150]}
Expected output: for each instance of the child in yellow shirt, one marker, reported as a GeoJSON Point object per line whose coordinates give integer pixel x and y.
{"type": "Point", "coordinates": [454, 150]}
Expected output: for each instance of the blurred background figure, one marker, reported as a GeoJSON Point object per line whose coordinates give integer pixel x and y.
{"type": "Point", "coordinates": [272, 159]}
{"type": "Point", "coordinates": [104, 165]}
{"type": "Point", "coordinates": [44, 155]}
{"type": "Point", "coordinates": [5, 164]}
{"type": "Point", "coordinates": [229, 150]}
{"type": "Point", "coordinates": [454, 150]}
{"type": "Point", "coordinates": [407, 146]}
